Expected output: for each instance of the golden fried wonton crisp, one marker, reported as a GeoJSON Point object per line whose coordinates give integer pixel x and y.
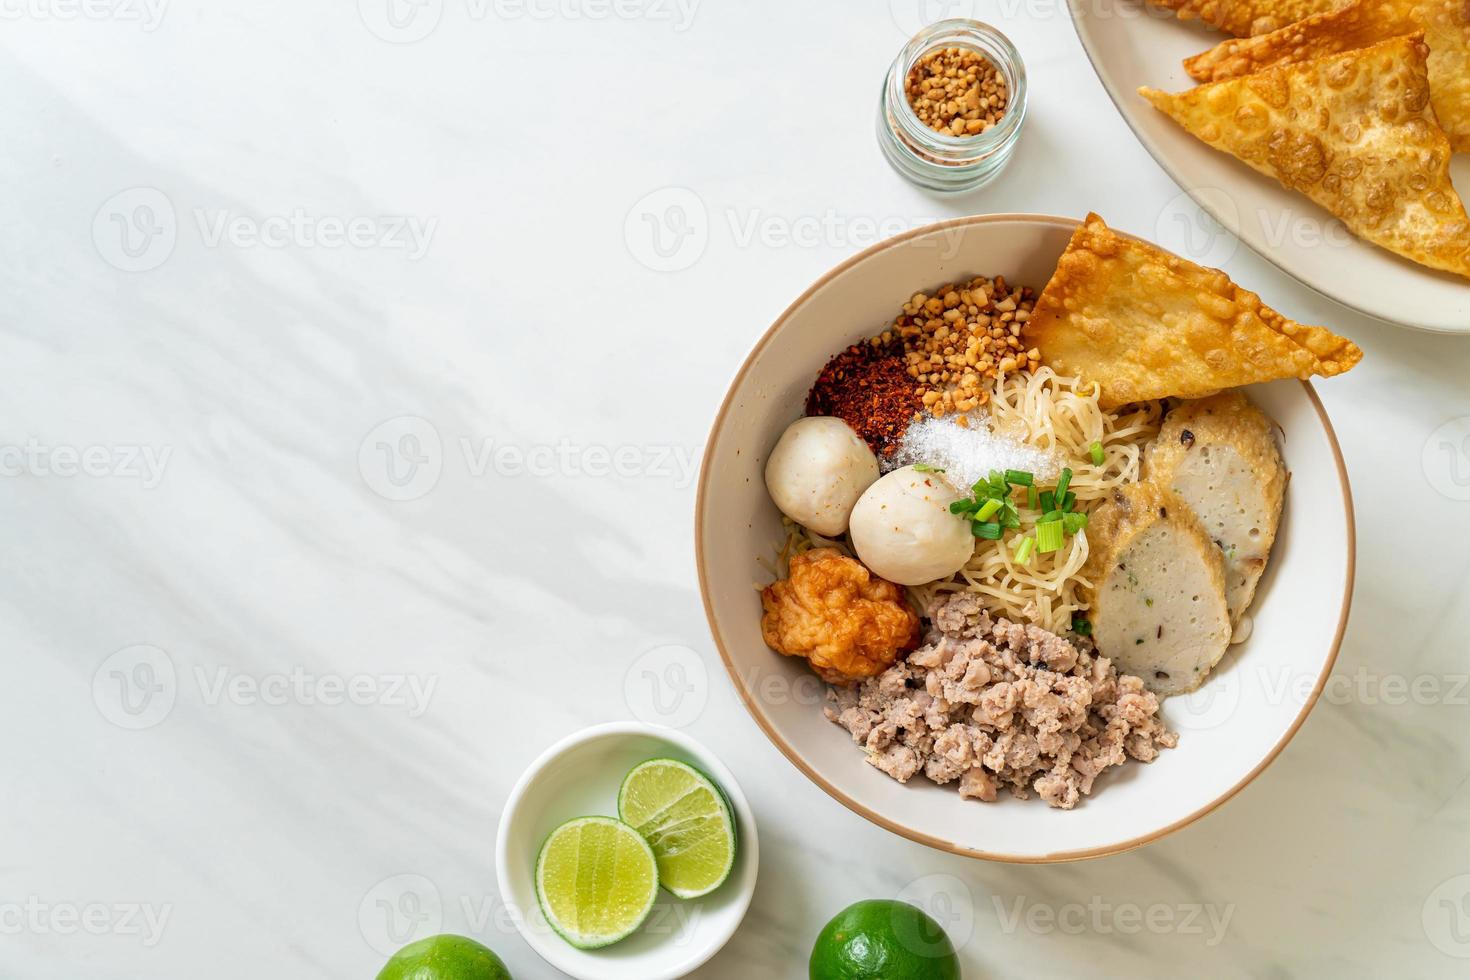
{"type": "Point", "coordinates": [1244, 18]}
{"type": "Point", "coordinates": [1355, 133]}
{"type": "Point", "coordinates": [1143, 323]}
{"type": "Point", "coordinates": [1359, 25]}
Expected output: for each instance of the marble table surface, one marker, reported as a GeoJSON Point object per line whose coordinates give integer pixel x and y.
{"type": "Point", "coordinates": [357, 359]}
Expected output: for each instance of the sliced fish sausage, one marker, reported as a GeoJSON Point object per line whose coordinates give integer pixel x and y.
{"type": "Point", "coordinates": [1157, 589]}
{"type": "Point", "coordinates": [1219, 455]}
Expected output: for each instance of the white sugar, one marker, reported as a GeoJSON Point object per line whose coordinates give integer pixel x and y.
{"type": "Point", "coordinates": [967, 454]}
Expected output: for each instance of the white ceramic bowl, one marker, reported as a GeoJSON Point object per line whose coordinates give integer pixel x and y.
{"type": "Point", "coordinates": [1230, 730]}
{"type": "Point", "coordinates": [579, 776]}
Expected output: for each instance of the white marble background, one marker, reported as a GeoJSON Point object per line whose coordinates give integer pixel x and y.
{"type": "Point", "coordinates": [205, 541]}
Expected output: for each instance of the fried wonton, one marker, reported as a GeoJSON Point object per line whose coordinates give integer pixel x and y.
{"type": "Point", "coordinates": [1355, 133]}
{"type": "Point", "coordinates": [1243, 18]}
{"type": "Point", "coordinates": [1361, 24]}
{"type": "Point", "coordinates": [1143, 323]}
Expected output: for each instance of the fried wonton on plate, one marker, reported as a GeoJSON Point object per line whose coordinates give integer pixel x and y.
{"type": "Point", "coordinates": [1355, 133]}
{"type": "Point", "coordinates": [1244, 18]}
{"type": "Point", "coordinates": [1143, 323]}
{"type": "Point", "coordinates": [1363, 23]}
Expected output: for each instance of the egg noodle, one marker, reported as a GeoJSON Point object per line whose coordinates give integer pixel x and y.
{"type": "Point", "coordinates": [1058, 415]}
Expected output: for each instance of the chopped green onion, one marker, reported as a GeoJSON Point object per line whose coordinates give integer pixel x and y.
{"type": "Point", "coordinates": [1081, 625]}
{"type": "Point", "coordinates": [1048, 501]}
{"type": "Point", "coordinates": [1096, 451]}
{"type": "Point", "coordinates": [1049, 537]}
{"type": "Point", "coordinates": [926, 468]}
{"type": "Point", "coordinates": [1062, 483]}
{"type": "Point", "coordinates": [1010, 517]}
{"type": "Point", "coordinates": [1073, 522]}
{"type": "Point", "coordinates": [1068, 499]}
{"type": "Point", "coordinates": [1024, 549]}
{"type": "Point", "coordinates": [1031, 499]}
{"type": "Point", "coordinates": [1050, 517]}
{"type": "Point", "coordinates": [989, 532]}
{"type": "Point", "coordinates": [987, 510]}
{"type": "Point", "coordinates": [1019, 478]}
{"type": "Point", "coordinates": [981, 489]}
{"type": "Point", "coordinates": [966, 506]}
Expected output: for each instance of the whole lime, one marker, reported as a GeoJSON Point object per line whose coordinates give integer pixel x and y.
{"type": "Point", "coordinates": [882, 939]}
{"type": "Point", "coordinates": [444, 958]}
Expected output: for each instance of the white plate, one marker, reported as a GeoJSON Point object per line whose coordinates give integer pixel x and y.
{"type": "Point", "coordinates": [579, 776]}
{"type": "Point", "coordinates": [1229, 731]}
{"type": "Point", "coordinates": [1131, 45]}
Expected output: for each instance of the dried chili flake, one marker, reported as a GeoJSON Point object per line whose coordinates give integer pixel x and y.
{"type": "Point", "coordinates": [868, 386]}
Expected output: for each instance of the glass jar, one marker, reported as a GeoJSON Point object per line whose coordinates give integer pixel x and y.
{"type": "Point", "coordinates": [937, 160]}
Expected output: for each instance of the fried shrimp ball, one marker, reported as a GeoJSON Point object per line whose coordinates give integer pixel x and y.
{"type": "Point", "coordinates": [848, 623]}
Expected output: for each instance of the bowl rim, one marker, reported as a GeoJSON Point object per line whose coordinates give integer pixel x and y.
{"type": "Point", "coordinates": [749, 845]}
{"type": "Point", "coordinates": [795, 758]}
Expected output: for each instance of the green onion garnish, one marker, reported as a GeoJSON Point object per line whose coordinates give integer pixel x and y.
{"type": "Point", "coordinates": [1050, 517]}
{"type": "Point", "coordinates": [1047, 501]}
{"type": "Point", "coordinates": [1073, 522]}
{"type": "Point", "coordinates": [1049, 537]}
{"type": "Point", "coordinates": [1031, 499]}
{"type": "Point", "coordinates": [1010, 517]}
{"type": "Point", "coordinates": [987, 510]}
{"type": "Point", "coordinates": [1081, 625]}
{"type": "Point", "coordinates": [1063, 482]}
{"type": "Point", "coordinates": [963, 507]}
{"type": "Point", "coordinates": [989, 532]}
{"type": "Point", "coordinates": [1096, 451]}
{"type": "Point", "coordinates": [1024, 549]}
{"type": "Point", "coordinates": [926, 468]}
{"type": "Point", "coordinates": [1068, 499]}
{"type": "Point", "coordinates": [1019, 478]}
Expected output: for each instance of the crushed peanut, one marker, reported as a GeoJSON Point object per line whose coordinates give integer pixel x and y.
{"type": "Point", "coordinates": [956, 91]}
{"type": "Point", "coordinates": [957, 342]}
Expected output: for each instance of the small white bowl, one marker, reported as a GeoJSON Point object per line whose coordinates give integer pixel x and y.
{"type": "Point", "coordinates": [579, 776]}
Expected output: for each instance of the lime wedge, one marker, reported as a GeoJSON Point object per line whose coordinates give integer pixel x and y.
{"type": "Point", "coordinates": [685, 819]}
{"type": "Point", "coordinates": [596, 879]}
